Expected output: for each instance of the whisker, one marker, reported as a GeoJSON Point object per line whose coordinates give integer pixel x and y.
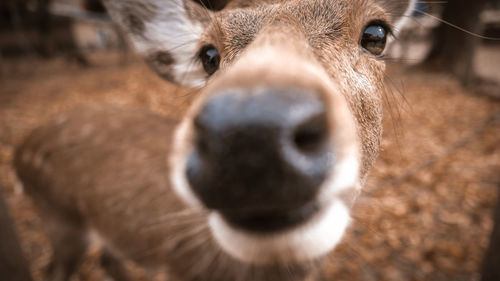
{"type": "Point", "coordinates": [394, 112]}
{"type": "Point", "coordinates": [174, 221]}
{"type": "Point", "coordinates": [187, 213]}
{"type": "Point", "coordinates": [399, 60]}
{"type": "Point", "coordinates": [172, 241]}
{"type": "Point", "coordinates": [458, 27]}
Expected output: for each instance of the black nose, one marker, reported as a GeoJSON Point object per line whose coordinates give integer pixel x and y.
{"type": "Point", "coordinates": [260, 153]}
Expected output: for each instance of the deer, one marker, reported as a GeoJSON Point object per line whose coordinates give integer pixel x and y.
{"type": "Point", "coordinates": [255, 180]}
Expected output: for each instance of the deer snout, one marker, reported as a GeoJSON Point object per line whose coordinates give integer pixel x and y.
{"type": "Point", "coordinates": [260, 159]}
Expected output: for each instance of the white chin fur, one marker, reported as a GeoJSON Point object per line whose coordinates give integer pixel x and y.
{"type": "Point", "coordinates": [312, 239]}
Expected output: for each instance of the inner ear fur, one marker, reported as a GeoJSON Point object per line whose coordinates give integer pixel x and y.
{"type": "Point", "coordinates": [166, 34]}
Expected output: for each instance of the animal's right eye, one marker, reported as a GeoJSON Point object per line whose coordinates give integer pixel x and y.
{"type": "Point", "coordinates": [374, 38]}
{"type": "Point", "coordinates": [210, 58]}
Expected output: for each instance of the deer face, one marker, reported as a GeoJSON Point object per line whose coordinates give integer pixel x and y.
{"type": "Point", "coordinates": [288, 119]}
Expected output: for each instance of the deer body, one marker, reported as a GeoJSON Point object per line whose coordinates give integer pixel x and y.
{"type": "Point", "coordinates": [131, 212]}
{"type": "Point", "coordinates": [256, 180]}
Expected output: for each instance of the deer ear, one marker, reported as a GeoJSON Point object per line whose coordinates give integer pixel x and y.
{"type": "Point", "coordinates": [166, 34]}
{"type": "Point", "coordinates": [400, 11]}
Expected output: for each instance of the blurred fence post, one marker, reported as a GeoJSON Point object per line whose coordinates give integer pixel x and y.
{"type": "Point", "coordinates": [491, 263]}
{"type": "Point", "coordinates": [13, 265]}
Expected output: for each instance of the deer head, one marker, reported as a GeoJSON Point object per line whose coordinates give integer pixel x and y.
{"type": "Point", "coordinates": [288, 120]}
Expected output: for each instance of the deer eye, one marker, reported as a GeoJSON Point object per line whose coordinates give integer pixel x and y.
{"type": "Point", "coordinates": [374, 38]}
{"type": "Point", "coordinates": [210, 59]}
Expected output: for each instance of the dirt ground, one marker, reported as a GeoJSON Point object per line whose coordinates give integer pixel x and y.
{"type": "Point", "coordinates": [426, 210]}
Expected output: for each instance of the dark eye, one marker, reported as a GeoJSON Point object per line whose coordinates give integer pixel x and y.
{"type": "Point", "coordinates": [210, 58]}
{"type": "Point", "coordinates": [374, 38]}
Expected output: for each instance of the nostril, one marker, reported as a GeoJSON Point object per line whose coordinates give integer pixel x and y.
{"type": "Point", "coordinates": [201, 138]}
{"type": "Point", "coordinates": [311, 135]}
{"type": "Point", "coordinates": [202, 144]}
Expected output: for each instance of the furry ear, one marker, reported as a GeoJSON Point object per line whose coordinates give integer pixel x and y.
{"type": "Point", "coordinates": [166, 34]}
{"type": "Point", "coordinates": [400, 10]}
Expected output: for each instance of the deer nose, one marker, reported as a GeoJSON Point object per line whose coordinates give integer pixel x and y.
{"type": "Point", "coordinates": [258, 153]}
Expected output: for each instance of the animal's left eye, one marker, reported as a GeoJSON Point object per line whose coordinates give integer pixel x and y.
{"type": "Point", "coordinates": [210, 58]}
{"type": "Point", "coordinates": [374, 38]}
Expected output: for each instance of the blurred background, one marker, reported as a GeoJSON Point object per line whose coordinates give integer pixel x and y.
{"type": "Point", "coordinates": [427, 210]}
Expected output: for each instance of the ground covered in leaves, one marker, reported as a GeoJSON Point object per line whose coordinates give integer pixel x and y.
{"type": "Point", "coordinates": [426, 210]}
